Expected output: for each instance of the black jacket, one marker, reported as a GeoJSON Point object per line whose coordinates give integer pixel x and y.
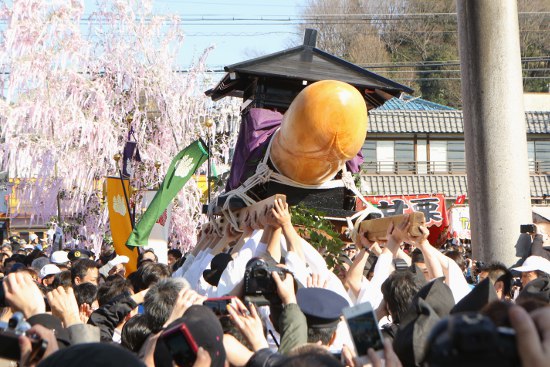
{"type": "Point", "coordinates": [110, 315]}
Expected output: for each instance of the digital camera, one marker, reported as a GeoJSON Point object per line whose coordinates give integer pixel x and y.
{"type": "Point", "coordinates": [471, 339]}
{"type": "Point", "coordinates": [259, 286]}
{"type": "Point", "coordinates": [9, 339]}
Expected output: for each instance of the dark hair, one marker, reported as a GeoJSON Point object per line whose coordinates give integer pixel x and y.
{"type": "Point", "coordinates": [112, 288]}
{"type": "Point", "coordinates": [175, 252]}
{"type": "Point", "coordinates": [398, 291]}
{"type": "Point", "coordinates": [62, 279]}
{"type": "Point", "coordinates": [80, 267]}
{"type": "Point", "coordinates": [498, 272]}
{"type": "Point", "coordinates": [18, 258]}
{"type": "Point", "coordinates": [324, 334]}
{"type": "Point", "coordinates": [140, 259]}
{"type": "Point", "coordinates": [458, 259]}
{"type": "Point", "coordinates": [134, 333]}
{"type": "Point", "coordinates": [34, 254]}
{"type": "Point", "coordinates": [417, 256]}
{"type": "Point", "coordinates": [133, 278]}
{"type": "Point", "coordinates": [85, 293]}
{"type": "Point", "coordinates": [150, 273]}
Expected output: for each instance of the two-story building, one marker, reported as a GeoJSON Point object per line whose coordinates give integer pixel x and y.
{"type": "Point", "coordinates": [415, 146]}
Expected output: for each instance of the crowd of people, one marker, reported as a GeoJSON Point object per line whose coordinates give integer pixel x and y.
{"type": "Point", "coordinates": [264, 296]}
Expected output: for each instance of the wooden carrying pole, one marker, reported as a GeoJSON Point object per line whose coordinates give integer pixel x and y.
{"type": "Point", "coordinates": [377, 228]}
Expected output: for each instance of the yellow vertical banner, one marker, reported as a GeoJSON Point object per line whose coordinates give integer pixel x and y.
{"type": "Point", "coordinates": [120, 220]}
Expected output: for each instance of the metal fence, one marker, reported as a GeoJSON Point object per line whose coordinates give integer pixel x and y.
{"type": "Point", "coordinates": [436, 167]}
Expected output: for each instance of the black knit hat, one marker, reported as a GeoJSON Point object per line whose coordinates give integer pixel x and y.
{"type": "Point", "coordinates": [91, 355]}
{"type": "Point", "coordinates": [217, 266]}
{"type": "Point", "coordinates": [206, 330]}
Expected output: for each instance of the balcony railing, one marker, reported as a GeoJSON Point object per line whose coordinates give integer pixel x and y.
{"type": "Point", "coordinates": [436, 167]}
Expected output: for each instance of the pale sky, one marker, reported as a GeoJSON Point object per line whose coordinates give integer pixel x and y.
{"type": "Point", "coordinates": [234, 40]}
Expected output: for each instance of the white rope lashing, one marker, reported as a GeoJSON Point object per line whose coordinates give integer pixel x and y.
{"type": "Point", "coordinates": [265, 174]}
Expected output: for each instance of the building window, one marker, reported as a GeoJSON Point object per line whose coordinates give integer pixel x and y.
{"type": "Point", "coordinates": [455, 156]}
{"type": "Point", "coordinates": [455, 151]}
{"type": "Point", "coordinates": [382, 155]}
{"type": "Point", "coordinates": [369, 151]}
{"type": "Point", "coordinates": [398, 156]}
{"type": "Point", "coordinates": [438, 156]}
{"type": "Point", "coordinates": [542, 150]}
{"type": "Point", "coordinates": [538, 154]}
{"type": "Point", "coordinates": [404, 151]}
{"type": "Point", "coordinates": [385, 154]}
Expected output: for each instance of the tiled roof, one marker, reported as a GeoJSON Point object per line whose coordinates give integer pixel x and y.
{"type": "Point", "coordinates": [449, 185]}
{"type": "Point", "coordinates": [401, 121]}
{"type": "Point", "coordinates": [540, 185]}
{"type": "Point", "coordinates": [410, 103]}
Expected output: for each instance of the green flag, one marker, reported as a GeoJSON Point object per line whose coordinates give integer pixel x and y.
{"type": "Point", "coordinates": [182, 167]}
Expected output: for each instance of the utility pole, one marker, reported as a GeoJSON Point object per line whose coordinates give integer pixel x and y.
{"type": "Point", "coordinates": [495, 131]}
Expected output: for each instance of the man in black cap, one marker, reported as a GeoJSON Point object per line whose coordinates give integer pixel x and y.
{"type": "Point", "coordinates": [78, 254]}
{"type": "Point", "coordinates": [323, 309]}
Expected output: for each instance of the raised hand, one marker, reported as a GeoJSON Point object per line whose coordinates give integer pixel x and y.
{"type": "Point", "coordinates": [186, 298]}
{"type": "Point", "coordinates": [249, 323]}
{"type": "Point", "coordinates": [64, 306]}
{"type": "Point", "coordinates": [22, 294]}
{"type": "Point", "coordinates": [28, 356]}
{"type": "Point", "coordinates": [419, 240]}
{"type": "Point", "coordinates": [532, 335]}
{"type": "Point", "coordinates": [285, 288]}
{"type": "Point", "coordinates": [281, 213]}
{"type": "Point", "coordinates": [315, 281]}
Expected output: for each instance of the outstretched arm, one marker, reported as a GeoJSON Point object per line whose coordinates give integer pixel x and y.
{"type": "Point", "coordinates": [354, 276]}
{"type": "Point", "coordinates": [431, 258]}
{"type": "Point", "coordinates": [293, 239]}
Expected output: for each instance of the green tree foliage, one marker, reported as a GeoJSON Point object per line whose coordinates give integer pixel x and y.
{"type": "Point", "coordinates": [415, 42]}
{"type": "Point", "coordinates": [319, 232]}
{"type": "Point", "coordinates": [534, 23]}
{"type": "Point", "coordinates": [342, 35]}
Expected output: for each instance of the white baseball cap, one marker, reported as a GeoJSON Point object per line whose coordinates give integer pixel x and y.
{"type": "Point", "coordinates": [49, 269]}
{"type": "Point", "coordinates": [33, 237]}
{"type": "Point", "coordinates": [59, 257]}
{"type": "Point", "coordinates": [533, 263]}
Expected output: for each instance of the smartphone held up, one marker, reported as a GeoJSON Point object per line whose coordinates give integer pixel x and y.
{"type": "Point", "coordinates": [363, 327]}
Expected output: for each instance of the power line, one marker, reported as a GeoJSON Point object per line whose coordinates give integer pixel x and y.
{"type": "Point", "coordinates": [291, 19]}
{"type": "Point", "coordinates": [404, 64]}
{"type": "Point", "coordinates": [432, 79]}
{"type": "Point", "coordinates": [434, 71]}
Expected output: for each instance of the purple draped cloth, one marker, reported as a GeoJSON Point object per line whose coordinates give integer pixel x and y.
{"type": "Point", "coordinates": [257, 127]}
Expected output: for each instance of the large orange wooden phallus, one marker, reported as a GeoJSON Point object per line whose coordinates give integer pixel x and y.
{"type": "Point", "coordinates": [324, 127]}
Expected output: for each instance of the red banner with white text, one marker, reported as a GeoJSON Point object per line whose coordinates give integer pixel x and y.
{"type": "Point", "coordinates": [433, 207]}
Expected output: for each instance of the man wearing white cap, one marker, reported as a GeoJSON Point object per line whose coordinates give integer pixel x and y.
{"type": "Point", "coordinates": [532, 268]}
{"type": "Point", "coordinates": [33, 239]}
{"type": "Point", "coordinates": [61, 259]}
{"type": "Point", "coordinates": [47, 274]}
{"type": "Point", "coordinates": [28, 248]}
